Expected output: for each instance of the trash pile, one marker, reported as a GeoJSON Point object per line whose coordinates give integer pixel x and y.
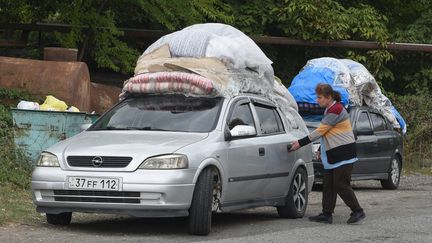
{"type": "Point", "coordinates": [51, 103]}
{"type": "Point", "coordinates": [351, 79]}
{"type": "Point", "coordinates": [208, 60]}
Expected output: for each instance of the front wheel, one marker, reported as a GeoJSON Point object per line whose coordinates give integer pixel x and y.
{"type": "Point", "coordinates": [297, 198]}
{"type": "Point", "coordinates": [59, 219]}
{"type": "Point", "coordinates": [200, 212]}
{"type": "Point", "coordinates": [392, 182]}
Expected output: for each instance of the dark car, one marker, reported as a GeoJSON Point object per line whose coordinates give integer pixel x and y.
{"type": "Point", "coordinates": [379, 148]}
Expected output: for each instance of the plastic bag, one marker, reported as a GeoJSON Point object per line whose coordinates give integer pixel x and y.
{"type": "Point", "coordinates": [28, 105]}
{"type": "Point", "coordinates": [73, 109]}
{"type": "Point", "coordinates": [53, 104]}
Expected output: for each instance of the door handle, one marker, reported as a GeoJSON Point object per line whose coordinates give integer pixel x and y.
{"type": "Point", "coordinates": [261, 151]}
{"type": "Point", "coordinates": [289, 146]}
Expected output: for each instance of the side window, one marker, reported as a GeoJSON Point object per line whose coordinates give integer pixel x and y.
{"type": "Point", "coordinates": [363, 122]}
{"type": "Point", "coordinates": [270, 121]}
{"type": "Point", "coordinates": [378, 122]}
{"type": "Point", "coordinates": [241, 115]}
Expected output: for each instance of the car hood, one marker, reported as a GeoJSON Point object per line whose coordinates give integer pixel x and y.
{"type": "Point", "coordinates": [137, 144]}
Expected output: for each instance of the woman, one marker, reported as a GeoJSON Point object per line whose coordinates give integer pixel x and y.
{"type": "Point", "coordinates": [338, 153]}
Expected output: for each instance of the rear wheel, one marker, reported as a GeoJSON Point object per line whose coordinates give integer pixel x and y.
{"type": "Point", "coordinates": [297, 198]}
{"type": "Point", "coordinates": [59, 219]}
{"type": "Point", "coordinates": [205, 200]}
{"type": "Point", "coordinates": [393, 179]}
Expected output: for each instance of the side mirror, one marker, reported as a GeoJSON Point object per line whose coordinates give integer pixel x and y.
{"type": "Point", "coordinates": [242, 131]}
{"type": "Point", "coordinates": [85, 126]}
{"type": "Point", "coordinates": [364, 131]}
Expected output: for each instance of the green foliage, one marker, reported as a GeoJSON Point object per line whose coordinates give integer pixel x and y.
{"type": "Point", "coordinates": [15, 168]}
{"type": "Point", "coordinates": [179, 13]}
{"type": "Point", "coordinates": [95, 23]}
{"type": "Point", "coordinates": [307, 20]}
{"type": "Point", "coordinates": [254, 17]}
{"type": "Point", "coordinates": [416, 110]}
{"type": "Point", "coordinates": [417, 32]}
{"type": "Point", "coordinates": [103, 45]}
{"type": "Point", "coordinates": [16, 206]}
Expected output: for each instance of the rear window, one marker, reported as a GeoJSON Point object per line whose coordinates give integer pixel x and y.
{"type": "Point", "coordinates": [378, 121]}
{"type": "Point", "coordinates": [162, 113]}
{"type": "Point", "coordinates": [363, 122]}
{"type": "Point", "coordinates": [270, 120]}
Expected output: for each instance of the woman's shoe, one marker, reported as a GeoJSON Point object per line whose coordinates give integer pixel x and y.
{"type": "Point", "coordinates": [322, 218]}
{"type": "Point", "coordinates": [356, 217]}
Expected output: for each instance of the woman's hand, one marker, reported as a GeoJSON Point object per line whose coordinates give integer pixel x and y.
{"type": "Point", "coordinates": [294, 146]}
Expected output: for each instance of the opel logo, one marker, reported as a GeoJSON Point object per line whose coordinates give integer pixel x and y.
{"type": "Point", "coordinates": [97, 161]}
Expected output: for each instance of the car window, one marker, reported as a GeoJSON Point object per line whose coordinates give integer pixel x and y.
{"type": "Point", "coordinates": [162, 113]}
{"type": "Point", "coordinates": [378, 122]}
{"type": "Point", "coordinates": [241, 115]}
{"type": "Point", "coordinates": [270, 121]}
{"type": "Point", "coordinates": [363, 122]}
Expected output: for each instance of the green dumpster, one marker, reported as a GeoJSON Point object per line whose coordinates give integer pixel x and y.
{"type": "Point", "coordinates": [35, 131]}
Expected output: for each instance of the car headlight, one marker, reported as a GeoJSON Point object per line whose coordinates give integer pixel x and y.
{"type": "Point", "coordinates": [171, 161]}
{"type": "Point", "coordinates": [47, 160]}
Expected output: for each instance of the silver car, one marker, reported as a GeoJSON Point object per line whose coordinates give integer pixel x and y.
{"type": "Point", "coordinates": [174, 156]}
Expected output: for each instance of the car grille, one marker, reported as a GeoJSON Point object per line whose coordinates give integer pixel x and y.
{"type": "Point", "coordinates": [96, 196]}
{"type": "Point", "coordinates": [108, 161]}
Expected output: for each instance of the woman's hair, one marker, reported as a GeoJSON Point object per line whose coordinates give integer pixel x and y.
{"type": "Point", "coordinates": [326, 91]}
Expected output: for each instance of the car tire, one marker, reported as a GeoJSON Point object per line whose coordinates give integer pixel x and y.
{"type": "Point", "coordinates": [59, 219]}
{"type": "Point", "coordinates": [297, 198]}
{"type": "Point", "coordinates": [393, 179]}
{"type": "Point", "coordinates": [200, 212]}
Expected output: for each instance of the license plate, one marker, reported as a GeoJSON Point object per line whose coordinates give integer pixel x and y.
{"type": "Point", "coordinates": [94, 183]}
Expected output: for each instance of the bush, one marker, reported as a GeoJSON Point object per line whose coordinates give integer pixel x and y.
{"type": "Point", "coordinates": [14, 166]}
{"type": "Point", "coordinates": [417, 112]}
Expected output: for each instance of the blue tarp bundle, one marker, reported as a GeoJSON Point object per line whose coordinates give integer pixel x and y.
{"type": "Point", "coordinates": [303, 85]}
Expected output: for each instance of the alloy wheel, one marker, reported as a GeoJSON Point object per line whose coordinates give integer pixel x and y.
{"type": "Point", "coordinates": [299, 187]}
{"type": "Point", "coordinates": [395, 171]}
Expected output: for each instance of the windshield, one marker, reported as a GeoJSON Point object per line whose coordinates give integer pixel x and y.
{"type": "Point", "coordinates": [162, 113]}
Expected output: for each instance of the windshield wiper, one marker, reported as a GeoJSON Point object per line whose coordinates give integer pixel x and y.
{"type": "Point", "coordinates": [130, 128]}
{"type": "Point", "coordinates": [147, 128]}
{"type": "Point", "coordinates": [112, 128]}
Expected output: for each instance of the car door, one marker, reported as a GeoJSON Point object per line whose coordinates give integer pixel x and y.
{"type": "Point", "coordinates": [366, 143]}
{"type": "Point", "coordinates": [385, 142]}
{"type": "Point", "coordinates": [245, 166]}
{"type": "Point", "coordinates": [274, 140]}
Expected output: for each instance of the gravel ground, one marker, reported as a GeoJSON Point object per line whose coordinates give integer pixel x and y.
{"type": "Point", "coordinates": [409, 181]}
{"type": "Point", "coordinates": [403, 215]}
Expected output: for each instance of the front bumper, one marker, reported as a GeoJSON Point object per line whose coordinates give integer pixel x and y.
{"type": "Point", "coordinates": [144, 193]}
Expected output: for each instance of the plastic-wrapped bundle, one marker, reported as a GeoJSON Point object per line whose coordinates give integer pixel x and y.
{"type": "Point", "coordinates": [230, 81]}
{"type": "Point", "coordinates": [281, 95]}
{"type": "Point", "coordinates": [192, 43]}
{"type": "Point", "coordinates": [351, 79]}
{"type": "Point", "coordinates": [321, 70]}
{"type": "Point", "coordinates": [369, 91]}
{"type": "Point", "coordinates": [170, 83]}
{"type": "Point", "coordinates": [187, 79]}
{"type": "Point", "coordinates": [365, 85]}
{"type": "Point", "coordinates": [220, 41]}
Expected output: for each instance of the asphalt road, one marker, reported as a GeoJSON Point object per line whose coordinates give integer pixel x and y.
{"type": "Point", "coordinates": [404, 215]}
